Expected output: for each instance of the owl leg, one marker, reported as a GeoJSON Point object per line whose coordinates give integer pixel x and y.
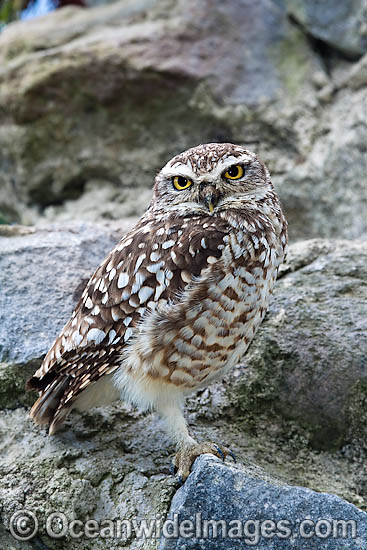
{"type": "Point", "coordinates": [187, 448]}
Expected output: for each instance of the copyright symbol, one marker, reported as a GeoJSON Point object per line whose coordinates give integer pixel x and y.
{"type": "Point", "coordinates": [23, 525]}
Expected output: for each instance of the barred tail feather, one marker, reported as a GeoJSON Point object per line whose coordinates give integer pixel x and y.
{"type": "Point", "coordinates": [46, 406]}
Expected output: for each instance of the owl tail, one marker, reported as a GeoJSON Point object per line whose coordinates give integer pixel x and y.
{"type": "Point", "coordinates": [46, 409]}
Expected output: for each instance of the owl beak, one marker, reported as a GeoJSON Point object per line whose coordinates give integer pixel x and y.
{"type": "Point", "coordinates": [210, 196]}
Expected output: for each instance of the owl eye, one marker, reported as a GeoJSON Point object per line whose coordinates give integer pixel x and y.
{"type": "Point", "coordinates": [234, 172]}
{"type": "Point", "coordinates": [180, 183]}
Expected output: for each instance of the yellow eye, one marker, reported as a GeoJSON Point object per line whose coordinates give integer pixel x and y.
{"type": "Point", "coordinates": [180, 183]}
{"type": "Point", "coordinates": [234, 172]}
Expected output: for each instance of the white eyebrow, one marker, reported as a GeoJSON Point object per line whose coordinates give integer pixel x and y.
{"type": "Point", "coordinates": [227, 162]}
{"type": "Point", "coordinates": [177, 170]}
{"type": "Point", "coordinates": [183, 169]}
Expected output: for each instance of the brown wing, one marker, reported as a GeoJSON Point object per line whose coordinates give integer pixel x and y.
{"type": "Point", "coordinates": [149, 267]}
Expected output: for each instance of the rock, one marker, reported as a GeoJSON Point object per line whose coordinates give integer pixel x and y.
{"type": "Point", "coordinates": [89, 111]}
{"type": "Point", "coordinates": [339, 23]}
{"type": "Point", "coordinates": [100, 102]}
{"type": "Point", "coordinates": [257, 513]}
{"type": "Point", "coordinates": [324, 192]}
{"type": "Point", "coordinates": [357, 76]}
{"type": "Point", "coordinates": [103, 467]}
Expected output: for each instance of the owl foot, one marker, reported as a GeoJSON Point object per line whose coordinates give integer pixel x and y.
{"type": "Point", "coordinates": [186, 456]}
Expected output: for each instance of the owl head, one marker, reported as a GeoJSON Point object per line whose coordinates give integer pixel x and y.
{"type": "Point", "coordinates": [210, 179]}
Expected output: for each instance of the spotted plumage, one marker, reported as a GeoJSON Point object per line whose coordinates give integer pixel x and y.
{"type": "Point", "coordinates": [177, 302]}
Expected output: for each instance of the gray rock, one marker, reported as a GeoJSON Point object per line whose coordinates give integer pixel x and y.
{"type": "Point", "coordinates": [89, 111]}
{"type": "Point", "coordinates": [339, 23]}
{"type": "Point", "coordinates": [106, 100]}
{"type": "Point", "coordinates": [357, 77]}
{"type": "Point", "coordinates": [108, 464]}
{"type": "Point", "coordinates": [257, 513]}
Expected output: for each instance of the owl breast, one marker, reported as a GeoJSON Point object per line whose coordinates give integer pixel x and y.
{"type": "Point", "coordinates": [213, 321]}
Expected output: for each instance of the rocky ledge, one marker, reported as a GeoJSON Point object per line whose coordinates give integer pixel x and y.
{"type": "Point", "coordinates": [294, 413]}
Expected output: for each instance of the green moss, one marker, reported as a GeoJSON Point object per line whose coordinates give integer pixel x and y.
{"type": "Point", "coordinates": [291, 58]}
{"type": "Point", "coordinates": [263, 396]}
{"type": "Point", "coordinates": [12, 385]}
{"type": "Point", "coordinates": [8, 216]}
{"type": "Point", "coordinates": [3, 219]}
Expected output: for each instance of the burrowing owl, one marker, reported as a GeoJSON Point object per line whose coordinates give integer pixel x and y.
{"type": "Point", "coordinates": [177, 302]}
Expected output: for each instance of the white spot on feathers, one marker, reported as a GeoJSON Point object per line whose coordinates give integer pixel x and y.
{"type": "Point", "coordinates": [111, 336]}
{"type": "Point", "coordinates": [95, 335]}
{"type": "Point", "coordinates": [155, 256]}
{"type": "Point", "coordinates": [123, 280]}
{"type": "Point", "coordinates": [128, 334]}
{"type": "Point", "coordinates": [112, 274]}
{"type": "Point", "coordinates": [139, 280]}
{"type": "Point", "coordinates": [155, 267]}
{"type": "Point", "coordinates": [125, 295]}
{"type": "Point", "coordinates": [158, 291]}
{"type": "Point", "coordinates": [211, 260]}
{"type": "Point", "coordinates": [139, 261]}
{"type": "Point", "coordinates": [145, 293]}
{"type": "Point", "coordinates": [77, 337]}
{"type": "Point", "coordinates": [160, 277]}
{"type": "Point", "coordinates": [168, 244]}
{"type": "Point", "coordinates": [124, 243]}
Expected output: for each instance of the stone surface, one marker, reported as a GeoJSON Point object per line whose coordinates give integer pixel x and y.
{"type": "Point", "coordinates": [325, 192]}
{"type": "Point", "coordinates": [90, 110]}
{"type": "Point", "coordinates": [305, 367]}
{"type": "Point", "coordinates": [258, 514]}
{"type": "Point", "coordinates": [340, 23]}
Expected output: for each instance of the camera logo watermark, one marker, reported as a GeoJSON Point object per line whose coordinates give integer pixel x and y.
{"type": "Point", "coordinates": [24, 525]}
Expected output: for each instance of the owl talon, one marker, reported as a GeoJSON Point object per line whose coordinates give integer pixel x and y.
{"type": "Point", "coordinates": [185, 458]}
{"type": "Point", "coordinates": [220, 453]}
{"type": "Point", "coordinates": [233, 456]}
